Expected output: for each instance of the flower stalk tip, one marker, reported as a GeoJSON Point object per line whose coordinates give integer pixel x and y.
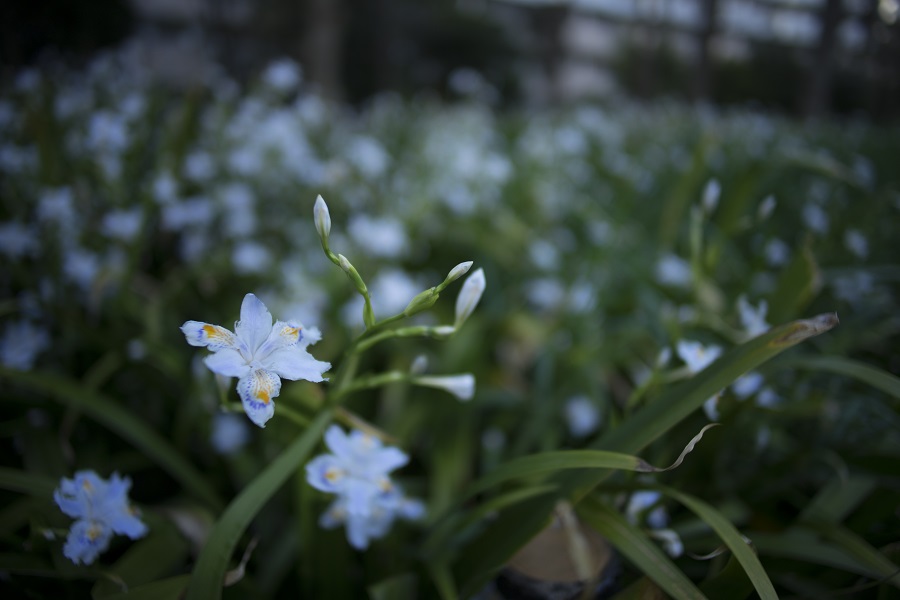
{"type": "Point", "coordinates": [322, 219]}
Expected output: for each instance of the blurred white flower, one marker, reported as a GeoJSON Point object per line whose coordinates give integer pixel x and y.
{"type": "Point", "coordinates": [815, 217]}
{"type": "Point", "coordinates": [753, 320]}
{"type": "Point", "coordinates": [250, 258]}
{"type": "Point", "coordinates": [283, 75]}
{"type": "Point", "coordinates": [21, 343]}
{"type": "Point", "coordinates": [855, 241]}
{"type": "Point", "coordinates": [747, 385]}
{"type": "Point", "coordinates": [642, 501]}
{"type": "Point", "coordinates": [199, 166]}
{"type": "Point", "coordinates": [229, 433]}
{"type": "Point", "coordinates": [107, 132]}
{"type": "Point", "coordinates": [674, 271]}
{"type": "Point", "coordinates": [123, 224]}
{"type": "Point", "coordinates": [56, 206]}
{"type": "Point", "coordinates": [777, 252]}
{"type": "Point", "coordinates": [695, 355]}
{"type": "Point", "coordinates": [381, 237]}
{"type": "Point", "coordinates": [165, 188]}
{"type": "Point", "coordinates": [195, 211]}
{"type": "Point", "coordinates": [81, 267]}
{"type": "Point", "coordinates": [17, 240]}
{"type": "Point", "coordinates": [582, 416]}
{"type": "Point", "coordinates": [545, 293]}
{"type": "Point", "coordinates": [711, 193]}
{"type": "Point", "coordinates": [368, 156]}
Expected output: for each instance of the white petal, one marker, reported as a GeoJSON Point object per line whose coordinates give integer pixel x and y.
{"type": "Point", "coordinates": [282, 334]}
{"type": "Point", "coordinates": [227, 362]}
{"type": "Point", "coordinates": [293, 362]}
{"type": "Point", "coordinates": [310, 336]}
{"type": "Point", "coordinates": [338, 442]}
{"type": "Point", "coordinates": [383, 461]}
{"type": "Point", "coordinates": [255, 324]}
{"type": "Point", "coordinates": [215, 337]}
{"type": "Point", "coordinates": [469, 296]}
{"type": "Point", "coordinates": [257, 391]}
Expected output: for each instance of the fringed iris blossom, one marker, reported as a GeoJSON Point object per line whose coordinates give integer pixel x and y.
{"type": "Point", "coordinates": [102, 509]}
{"type": "Point", "coordinates": [357, 471]}
{"type": "Point", "coordinates": [259, 354]}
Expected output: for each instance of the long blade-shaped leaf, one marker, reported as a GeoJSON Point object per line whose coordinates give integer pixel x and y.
{"type": "Point", "coordinates": [26, 483]}
{"type": "Point", "coordinates": [639, 549]}
{"type": "Point", "coordinates": [514, 527]}
{"type": "Point", "coordinates": [732, 538]}
{"type": "Point", "coordinates": [110, 414]}
{"type": "Point", "coordinates": [882, 380]}
{"type": "Point", "coordinates": [209, 573]}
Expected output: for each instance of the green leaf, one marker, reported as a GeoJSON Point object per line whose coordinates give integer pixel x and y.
{"type": "Point", "coordinates": [110, 414]}
{"type": "Point", "coordinates": [732, 538]}
{"type": "Point", "coordinates": [157, 555]}
{"type": "Point", "coordinates": [26, 483]}
{"type": "Point", "coordinates": [513, 528]}
{"type": "Point", "coordinates": [166, 589]}
{"type": "Point", "coordinates": [730, 582]}
{"type": "Point", "coordinates": [209, 573]}
{"type": "Point", "coordinates": [838, 499]}
{"type": "Point", "coordinates": [680, 195]}
{"type": "Point", "coordinates": [642, 552]}
{"type": "Point", "coordinates": [877, 378]}
{"type": "Point", "coordinates": [398, 587]}
{"type": "Point", "coordinates": [860, 550]}
{"type": "Point", "coordinates": [801, 543]}
{"type": "Point", "coordinates": [443, 581]}
{"type": "Point", "coordinates": [437, 542]}
{"type": "Point", "coordinates": [797, 284]}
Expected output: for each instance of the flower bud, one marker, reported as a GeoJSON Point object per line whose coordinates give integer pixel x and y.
{"type": "Point", "coordinates": [322, 218]}
{"type": "Point", "coordinates": [459, 270]}
{"type": "Point", "coordinates": [455, 273]}
{"type": "Point", "coordinates": [422, 301]}
{"type": "Point", "coordinates": [352, 273]}
{"type": "Point", "coordinates": [462, 386]}
{"type": "Point", "coordinates": [469, 296]}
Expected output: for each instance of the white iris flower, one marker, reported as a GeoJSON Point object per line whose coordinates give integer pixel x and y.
{"type": "Point", "coordinates": [259, 354]}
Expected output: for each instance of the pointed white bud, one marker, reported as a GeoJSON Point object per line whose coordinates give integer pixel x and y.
{"type": "Point", "coordinates": [458, 271]}
{"type": "Point", "coordinates": [322, 218]}
{"type": "Point", "coordinates": [469, 296]}
{"type": "Point", "coordinates": [462, 386]}
{"type": "Point", "coordinates": [711, 196]}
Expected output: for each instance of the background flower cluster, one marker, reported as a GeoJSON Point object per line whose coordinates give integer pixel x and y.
{"type": "Point", "coordinates": [619, 242]}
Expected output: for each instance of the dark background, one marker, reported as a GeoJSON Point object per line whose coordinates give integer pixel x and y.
{"type": "Point", "coordinates": [352, 49]}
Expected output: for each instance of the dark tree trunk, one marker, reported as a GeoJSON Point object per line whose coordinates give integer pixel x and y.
{"type": "Point", "coordinates": [817, 101]}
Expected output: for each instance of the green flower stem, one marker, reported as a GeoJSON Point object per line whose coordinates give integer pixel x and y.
{"type": "Point", "coordinates": [373, 381]}
{"type": "Point", "coordinates": [415, 331]}
{"type": "Point", "coordinates": [354, 421]}
{"type": "Point", "coordinates": [287, 411]}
